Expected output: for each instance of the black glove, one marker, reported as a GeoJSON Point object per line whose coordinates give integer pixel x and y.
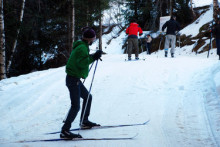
{"type": "Point", "coordinates": [97, 55]}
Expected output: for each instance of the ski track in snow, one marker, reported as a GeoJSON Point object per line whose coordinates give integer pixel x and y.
{"type": "Point", "coordinates": [179, 96]}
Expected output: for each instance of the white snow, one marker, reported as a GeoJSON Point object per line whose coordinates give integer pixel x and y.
{"type": "Point", "coordinates": [196, 25]}
{"type": "Point", "coordinates": [200, 3]}
{"type": "Point", "coordinates": [180, 96]}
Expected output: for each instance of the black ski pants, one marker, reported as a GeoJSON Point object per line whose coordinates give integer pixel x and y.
{"type": "Point", "coordinates": [148, 48]}
{"type": "Point", "coordinates": [76, 90]}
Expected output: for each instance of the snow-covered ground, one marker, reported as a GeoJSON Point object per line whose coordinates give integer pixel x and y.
{"type": "Point", "coordinates": [200, 3]}
{"type": "Point", "coordinates": [180, 96]}
{"type": "Point", "coordinates": [195, 26]}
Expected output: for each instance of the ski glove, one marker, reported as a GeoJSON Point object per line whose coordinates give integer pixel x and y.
{"type": "Point", "coordinates": [97, 55]}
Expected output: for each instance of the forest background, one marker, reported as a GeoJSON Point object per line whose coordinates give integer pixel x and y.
{"type": "Point", "coordinates": [34, 29]}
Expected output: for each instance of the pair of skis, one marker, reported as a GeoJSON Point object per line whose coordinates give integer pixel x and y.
{"type": "Point", "coordinates": [84, 139]}
{"type": "Point", "coordinates": [104, 127]}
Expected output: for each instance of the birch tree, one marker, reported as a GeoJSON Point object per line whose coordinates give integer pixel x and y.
{"type": "Point", "coordinates": [16, 37]}
{"type": "Point", "coordinates": [2, 44]}
{"type": "Point", "coordinates": [171, 8]}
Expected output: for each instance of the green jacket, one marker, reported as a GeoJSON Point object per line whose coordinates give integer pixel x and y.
{"type": "Point", "coordinates": [78, 63]}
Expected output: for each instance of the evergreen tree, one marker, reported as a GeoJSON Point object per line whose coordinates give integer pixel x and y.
{"type": "Point", "coordinates": [183, 11]}
{"type": "Point", "coordinates": [46, 30]}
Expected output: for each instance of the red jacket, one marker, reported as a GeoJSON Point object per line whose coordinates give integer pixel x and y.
{"type": "Point", "coordinates": [133, 29]}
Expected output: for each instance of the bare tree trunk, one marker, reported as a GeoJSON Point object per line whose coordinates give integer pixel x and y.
{"type": "Point", "coordinates": [136, 9]}
{"type": "Point", "coordinates": [87, 15]}
{"type": "Point", "coordinates": [215, 10]}
{"type": "Point", "coordinates": [2, 44]}
{"type": "Point", "coordinates": [72, 24]}
{"type": "Point", "coordinates": [168, 6]}
{"type": "Point", "coordinates": [161, 3]}
{"type": "Point", "coordinates": [69, 29]}
{"type": "Point", "coordinates": [155, 17]}
{"type": "Point", "coordinates": [191, 3]}
{"type": "Point", "coordinates": [100, 31]}
{"type": "Point", "coordinates": [16, 38]}
{"type": "Point", "coordinates": [171, 8]}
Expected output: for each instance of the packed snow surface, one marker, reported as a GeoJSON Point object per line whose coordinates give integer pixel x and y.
{"type": "Point", "coordinates": [180, 96]}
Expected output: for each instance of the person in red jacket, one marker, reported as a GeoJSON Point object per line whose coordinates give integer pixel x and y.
{"type": "Point", "coordinates": [132, 32]}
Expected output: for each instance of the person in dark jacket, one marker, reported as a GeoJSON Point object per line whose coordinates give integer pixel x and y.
{"type": "Point", "coordinates": [132, 32]}
{"type": "Point", "coordinates": [78, 67]}
{"type": "Point", "coordinates": [172, 27]}
{"type": "Point", "coordinates": [216, 32]}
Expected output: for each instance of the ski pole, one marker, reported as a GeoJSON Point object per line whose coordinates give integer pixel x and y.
{"type": "Point", "coordinates": [89, 71]}
{"type": "Point", "coordinates": [142, 49]}
{"type": "Point", "coordinates": [159, 44]}
{"type": "Point", "coordinates": [126, 52]}
{"type": "Point", "coordinates": [209, 45]}
{"type": "Point", "coordinates": [178, 34]}
{"type": "Point", "coordinates": [210, 41]}
{"type": "Point", "coordinates": [83, 83]}
{"type": "Point", "coordinates": [88, 95]}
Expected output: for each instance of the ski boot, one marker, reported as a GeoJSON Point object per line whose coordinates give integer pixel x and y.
{"type": "Point", "coordinates": [68, 135]}
{"type": "Point", "coordinates": [88, 124]}
{"type": "Point", "coordinates": [137, 58]}
{"type": "Point", "coordinates": [172, 55]}
{"type": "Point", "coordinates": [165, 53]}
{"type": "Point", "coordinates": [129, 58]}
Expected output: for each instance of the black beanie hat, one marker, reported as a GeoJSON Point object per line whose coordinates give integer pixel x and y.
{"type": "Point", "coordinates": [88, 34]}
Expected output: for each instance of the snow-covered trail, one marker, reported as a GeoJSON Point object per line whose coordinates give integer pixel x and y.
{"type": "Point", "coordinates": [164, 90]}
{"type": "Point", "coordinates": [179, 96]}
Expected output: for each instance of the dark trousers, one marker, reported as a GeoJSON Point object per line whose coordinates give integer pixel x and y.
{"type": "Point", "coordinates": [133, 42]}
{"type": "Point", "coordinates": [218, 45]}
{"type": "Point", "coordinates": [76, 90]}
{"type": "Point", "coordinates": [148, 45]}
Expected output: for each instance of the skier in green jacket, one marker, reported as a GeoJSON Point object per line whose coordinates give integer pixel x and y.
{"type": "Point", "coordinates": [78, 67]}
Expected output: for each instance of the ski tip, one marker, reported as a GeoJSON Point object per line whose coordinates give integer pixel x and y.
{"type": "Point", "coordinates": [146, 122]}
{"type": "Point", "coordinates": [52, 133]}
{"type": "Point", "coordinates": [135, 135]}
